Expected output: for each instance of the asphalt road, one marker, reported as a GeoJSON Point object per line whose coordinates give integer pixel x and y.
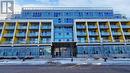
{"type": "Point", "coordinates": [64, 69]}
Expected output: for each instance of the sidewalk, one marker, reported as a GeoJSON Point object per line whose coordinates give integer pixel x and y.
{"type": "Point", "coordinates": [65, 61]}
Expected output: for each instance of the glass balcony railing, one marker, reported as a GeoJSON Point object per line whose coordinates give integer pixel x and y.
{"type": "Point", "coordinates": [93, 34]}
{"type": "Point", "coordinates": [106, 40]}
{"type": "Point", "coordinates": [125, 26]}
{"type": "Point", "coordinates": [116, 33]}
{"type": "Point", "coordinates": [33, 42]}
{"type": "Point", "coordinates": [21, 34]}
{"type": "Point", "coordinates": [127, 40]}
{"type": "Point", "coordinates": [114, 26]}
{"type": "Point", "coordinates": [81, 41]}
{"type": "Point", "coordinates": [9, 35]}
{"type": "Point", "coordinates": [104, 33]}
{"type": "Point", "coordinates": [94, 41]}
{"type": "Point", "coordinates": [45, 34]}
{"type": "Point", "coordinates": [46, 27]}
{"type": "Point", "coordinates": [22, 27]}
{"type": "Point", "coordinates": [7, 42]}
{"type": "Point", "coordinates": [1, 27]}
{"type": "Point", "coordinates": [92, 26]}
{"type": "Point", "coordinates": [20, 42]}
{"type": "Point", "coordinates": [103, 26]}
{"type": "Point", "coordinates": [80, 27]}
{"type": "Point", "coordinates": [33, 34]}
{"type": "Point", "coordinates": [126, 33]}
{"type": "Point", "coordinates": [34, 27]}
{"type": "Point", "coordinates": [45, 42]}
{"type": "Point", "coordinates": [117, 40]}
{"type": "Point", "coordinates": [10, 27]}
{"type": "Point", "coordinates": [81, 33]}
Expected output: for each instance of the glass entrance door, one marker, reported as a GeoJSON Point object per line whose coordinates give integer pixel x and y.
{"type": "Point", "coordinates": [63, 50]}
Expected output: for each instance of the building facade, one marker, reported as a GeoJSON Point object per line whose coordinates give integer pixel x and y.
{"type": "Point", "coordinates": [64, 33]}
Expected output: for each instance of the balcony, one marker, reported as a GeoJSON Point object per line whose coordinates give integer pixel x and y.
{"type": "Point", "coordinates": [117, 40]}
{"type": "Point", "coordinates": [105, 33]}
{"type": "Point", "coordinates": [94, 41]}
{"type": "Point", "coordinates": [126, 33]}
{"type": "Point", "coordinates": [81, 34]}
{"type": "Point", "coordinates": [45, 42]}
{"type": "Point", "coordinates": [103, 26]}
{"type": "Point", "coordinates": [7, 42]}
{"type": "Point", "coordinates": [33, 34]}
{"type": "Point", "coordinates": [20, 42]}
{"type": "Point", "coordinates": [92, 26]}
{"type": "Point", "coordinates": [9, 35]}
{"type": "Point", "coordinates": [93, 34]}
{"type": "Point", "coordinates": [33, 42]}
{"type": "Point", "coordinates": [46, 34]}
{"type": "Point", "coordinates": [106, 41]}
{"type": "Point", "coordinates": [34, 27]}
{"type": "Point", "coordinates": [46, 27]}
{"type": "Point", "coordinates": [125, 26]}
{"type": "Point", "coordinates": [1, 27]}
{"type": "Point", "coordinates": [21, 35]}
{"type": "Point", "coordinates": [22, 27]}
{"type": "Point", "coordinates": [116, 33]}
{"type": "Point", "coordinates": [114, 26]}
{"type": "Point", "coordinates": [81, 41]}
{"type": "Point", "coordinates": [80, 27]}
{"type": "Point", "coordinates": [127, 40]}
{"type": "Point", "coordinates": [10, 27]}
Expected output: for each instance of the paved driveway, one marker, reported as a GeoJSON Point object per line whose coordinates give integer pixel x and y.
{"type": "Point", "coordinates": [64, 69]}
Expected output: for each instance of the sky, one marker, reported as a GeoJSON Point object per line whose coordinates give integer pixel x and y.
{"type": "Point", "coordinates": [119, 6]}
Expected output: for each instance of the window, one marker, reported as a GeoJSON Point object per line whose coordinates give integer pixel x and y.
{"type": "Point", "coordinates": [59, 20]}
{"type": "Point", "coordinates": [67, 39]}
{"type": "Point", "coordinates": [57, 14]}
{"type": "Point", "coordinates": [37, 14]}
{"type": "Point", "coordinates": [68, 14]}
{"type": "Point", "coordinates": [67, 33]}
{"type": "Point", "coordinates": [68, 20]}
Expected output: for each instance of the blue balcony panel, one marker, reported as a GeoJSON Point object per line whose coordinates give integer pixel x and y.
{"type": "Point", "coordinates": [92, 26]}
{"type": "Point", "coordinates": [46, 27]}
{"type": "Point", "coordinates": [45, 34]}
{"type": "Point", "coordinates": [125, 26]}
{"type": "Point", "coordinates": [81, 34]}
{"type": "Point", "coordinates": [9, 35]}
{"type": "Point", "coordinates": [116, 33]}
{"type": "Point", "coordinates": [126, 33]}
{"type": "Point", "coordinates": [114, 26]}
{"type": "Point", "coordinates": [93, 34]}
{"type": "Point", "coordinates": [103, 27]}
{"type": "Point", "coordinates": [81, 27]}
{"type": "Point", "coordinates": [33, 34]}
{"type": "Point", "coordinates": [22, 27]}
{"type": "Point", "coordinates": [34, 27]}
{"type": "Point", "coordinates": [10, 27]}
{"type": "Point", "coordinates": [105, 33]}
{"type": "Point", "coordinates": [21, 35]}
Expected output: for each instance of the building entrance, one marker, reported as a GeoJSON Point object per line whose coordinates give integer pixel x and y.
{"type": "Point", "coordinates": [64, 50]}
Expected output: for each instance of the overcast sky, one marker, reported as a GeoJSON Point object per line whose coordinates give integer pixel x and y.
{"type": "Point", "coordinates": [119, 6]}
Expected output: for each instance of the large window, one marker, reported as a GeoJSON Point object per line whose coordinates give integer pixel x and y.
{"type": "Point", "coordinates": [37, 14]}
